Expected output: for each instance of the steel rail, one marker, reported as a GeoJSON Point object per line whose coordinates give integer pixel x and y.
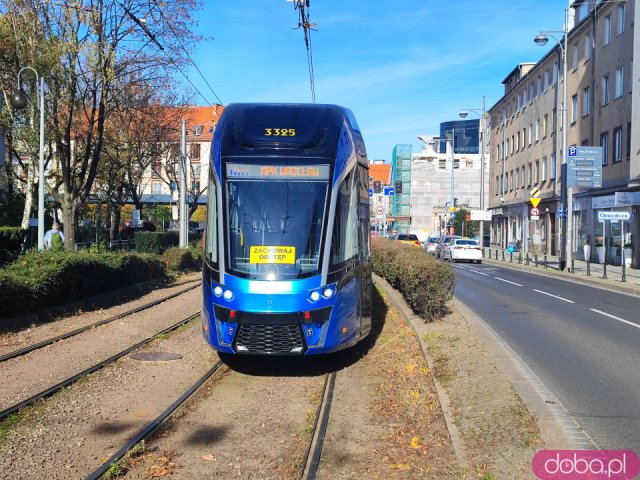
{"type": "Point", "coordinates": [49, 341]}
{"type": "Point", "coordinates": [153, 425]}
{"type": "Point", "coordinates": [50, 391]}
{"type": "Point", "coordinates": [311, 460]}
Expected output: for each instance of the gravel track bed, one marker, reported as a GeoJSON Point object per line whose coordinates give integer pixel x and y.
{"type": "Point", "coordinates": [29, 374]}
{"type": "Point", "coordinates": [71, 434]}
{"type": "Point", "coordinates": [10, 341]}
{"type": "Point", "coordinates": [247, 426]}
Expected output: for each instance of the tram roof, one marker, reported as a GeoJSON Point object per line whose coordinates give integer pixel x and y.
{"type": "Point", "coordinates": [308, 130]}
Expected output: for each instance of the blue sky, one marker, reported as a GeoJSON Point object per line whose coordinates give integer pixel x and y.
{"type": "Point", "coordinates": [401, 66]}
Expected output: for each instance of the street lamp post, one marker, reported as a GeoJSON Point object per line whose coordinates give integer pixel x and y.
{"type": "Point", "coordinates": [481, 133]}
{"type": "Point", "coordinates": [452, 142]}
{"type": "Point", "coordinates": [566, 197]}
{"type": "Point", "coordinates": [18, 100]}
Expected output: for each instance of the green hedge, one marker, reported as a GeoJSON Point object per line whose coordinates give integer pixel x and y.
{"type": "Point", "coordinates": [44, 279]}
{"type": "Point", "coordinates": [155, 242]}
{"type": "Point", "coordinates": [426, 284]}
{"type": "Point", "coordinates": [11, 239]}
{"type": "Point", "coordinates": [181, 259]}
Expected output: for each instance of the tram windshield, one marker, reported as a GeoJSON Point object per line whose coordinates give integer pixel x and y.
{"type": "Point", "coordinates": [275, 224]}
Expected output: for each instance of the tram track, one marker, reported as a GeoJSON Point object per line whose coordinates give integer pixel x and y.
{"type": "Point", "coordinates": [153, 425]}
{"type": "Point", "coordinates": [70, 380]}
{"type": "Point", "coordinates": [77, 331]}
{"type": "Point", "coordinates": [311, 460]}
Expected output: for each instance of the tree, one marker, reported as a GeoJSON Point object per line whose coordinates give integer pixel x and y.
{"type": "Point", "coordinates": [462, 226]}
{"type": "Point", "coordinates": [101, 47]}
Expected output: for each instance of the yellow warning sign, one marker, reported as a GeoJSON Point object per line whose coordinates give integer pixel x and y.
{"type": "Point", "coordinates": [452, 209]}
{"type": "Point", "coordinates": [534, 201]}
{"type": "Point", "coordinates": [269, 254]}
{"type": "Point", "coordinates": [535, 192]}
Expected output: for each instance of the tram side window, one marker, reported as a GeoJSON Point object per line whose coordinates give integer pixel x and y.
{"type": "Point", "coordinates": [344, 240]}
{"type": "Point", "coordinates": [211, 239]}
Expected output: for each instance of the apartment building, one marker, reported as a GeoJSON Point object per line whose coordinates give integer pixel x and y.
{"type": "Point", "coordinates": [602, 105]}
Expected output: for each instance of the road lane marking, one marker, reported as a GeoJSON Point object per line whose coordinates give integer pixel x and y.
{"type": "Point", "coordinates": [508, 281]}
{"type": "Point", "coordinates": [615, 318]}
{"type": "Point", "coordinates": [479, 273]}
{"type": "Point", "coordinates": [554, 296]}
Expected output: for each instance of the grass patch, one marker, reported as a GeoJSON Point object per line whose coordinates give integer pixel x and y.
{"type": "Point", "coordinates": [7, 424]}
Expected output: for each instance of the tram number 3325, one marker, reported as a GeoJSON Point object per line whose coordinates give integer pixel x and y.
{"type": "Point", "coordinates": [280, 132]}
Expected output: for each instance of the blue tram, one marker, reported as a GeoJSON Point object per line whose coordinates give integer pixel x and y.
{"type": "Point", "coordinates": [287, 267]}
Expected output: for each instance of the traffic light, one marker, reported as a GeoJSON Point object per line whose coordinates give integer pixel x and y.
{"type": "Point", "coordinates": [377, 186]}
{"type": "Point", "coordinates": [398, 186]}
{"type": "Point", "coordinates": [455, 201]}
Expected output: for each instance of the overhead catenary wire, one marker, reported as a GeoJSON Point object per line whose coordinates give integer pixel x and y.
{"type": "Point", "coordinates": [153, 38]}
{"type": "Point", "coordinates": [303, 11]}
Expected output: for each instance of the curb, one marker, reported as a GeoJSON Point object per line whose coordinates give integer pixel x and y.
{"type": "Point", "coordinates": [419, 326]}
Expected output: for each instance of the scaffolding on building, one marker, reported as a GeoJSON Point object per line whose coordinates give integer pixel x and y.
{"type": "Point", "coordinates": [401, 177]}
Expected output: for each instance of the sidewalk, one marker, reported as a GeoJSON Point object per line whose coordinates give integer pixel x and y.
{"type": "Point", "coordinates": [592, 273]}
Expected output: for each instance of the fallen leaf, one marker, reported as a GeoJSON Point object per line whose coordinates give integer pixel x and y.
{"type": "Point", "coordinates": [401, 466]}
{"type": "Point", "coordinates": [141, 414]}
{"type": "Point", "coordinates": [155, 472]}
{"type": "Point", "coordinates": [415, 442]}
{"type": "Point", "coordinates": [415, 395]}
{"type": "Point", "coordinates": [208, 458]}
{"type": "Point", "coordinates": [410, 367]}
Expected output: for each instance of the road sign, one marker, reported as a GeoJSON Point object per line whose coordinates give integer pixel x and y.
{"type": "Point", "coordinates": [614, 216]}
{"type": "Point", "coordinates": [562, 212]}
{"type": "Point", "coordinates": [534, 192]}
{"type": "Point", "coordinates": [584, 167]}
{"type": "Point", "coordinates": [389, 191]}
{"type": "Point", "coordinates": [483, 215]}
{"type": "Point", "coordinates": [379, 210]}
{"type": "Point", "coordinates": [534, 212]}
{"type": "Point", "coordinates": [534, 201]}
{"type": "Point", "coordinates": [452, 209]}
{"type": "Point", "coordinates": [371, 192]}
{"type": "Point", "coordinates": [453, 215]}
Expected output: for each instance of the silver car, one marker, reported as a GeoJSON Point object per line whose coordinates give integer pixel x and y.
{"type": "Point", "coordinates": [441, 244]}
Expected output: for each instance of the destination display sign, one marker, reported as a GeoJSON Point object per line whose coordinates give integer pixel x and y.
{"type": "Point", "coordinates": [277, 172]}
{"type": "Point", "coordinates": [584, 167]}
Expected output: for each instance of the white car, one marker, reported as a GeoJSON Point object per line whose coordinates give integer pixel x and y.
{"type": "Point", "coordinates": [431, 244]}
{"type": "Point", "coordinates": [463, 249]}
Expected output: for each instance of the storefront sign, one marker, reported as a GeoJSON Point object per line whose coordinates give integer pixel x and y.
{"type": "Point", "coordinates": [618, 199]}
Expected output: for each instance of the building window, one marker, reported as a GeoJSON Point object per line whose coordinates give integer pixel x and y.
{"type": "Point", "coordinates": [156, 188]}
{"type": "Point", "coordinates": [537, 129]}
{"type": "Point", "coordinates": [576, 56]}
{"type": "Point", "coordinates": [555, 72]}
{"type": "Point", "coordinates": [587, 47]}
{"type": "Point", "coordinates": [620, 20]}
{"type": "Point", "coordinates": [630, 75]}
{"type": "Point", "coordinates": [195, 152]}
{"type": "Point", "coordinates": [537, 172]}
{"type": "Point", "coordinates": [547, 78]}
{"type": "Point", "coordinates": [605, 90]}
{"type": "Point", "coordinates": [553, 167]}
{"type": "Point", "coordinates": [544, 169]}
{"type": "Point", "coordinates": [497, 185]}
{"type": "Point", "coordinates": [197, 130]}
{"type": "Point", "coordinates": [619, 82]}
{"type": "Point", "coordinates": [604, 143]}
{"type": "Point", "coordinates": [530, 134]}
{"type": "Point", "coordinates": [586, 101]}
{"type": "Point", "coordinates": [507, 149]}
{"type": "Point", "coordinates": [554, 125]}
{"type": "Point", "coordinates": [606, 30]}
{"type": "Point", "coordinates": [629, 141]}
{"type": "Point", "coordinates": [574, 108]}
{"type": "Point", "coordinates": [545, 124]}
{"type": "Point", "coordinates": [529, 174]}
{"type": "Point", "coordinates": [617, 145]}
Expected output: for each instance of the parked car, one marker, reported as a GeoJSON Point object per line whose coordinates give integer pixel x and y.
{"type": "Point", "coordinates": [431, 244]}
{"type": "Point", "coordinates": [463, 249]}
{"type": "Point", "coordinates": [408, 238]}
{"type": "Point", "coordinates": [441, 243]}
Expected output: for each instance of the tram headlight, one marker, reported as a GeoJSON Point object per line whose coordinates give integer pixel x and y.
{"type": "Point", "coordinates": [315, 296]}
{"type": "Point", "coordinates": [228, 295]}
{"type": "Point", "coordinates": [217, 291]}
{"type": "Point", "coordinates": [328, 292]}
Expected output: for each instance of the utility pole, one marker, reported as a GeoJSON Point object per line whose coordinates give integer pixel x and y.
{"type": "Point", "coordinates": [182, 208]}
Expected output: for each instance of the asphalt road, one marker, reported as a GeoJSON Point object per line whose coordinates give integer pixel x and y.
{"type": "Point", "coordinates": [583, 342]}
